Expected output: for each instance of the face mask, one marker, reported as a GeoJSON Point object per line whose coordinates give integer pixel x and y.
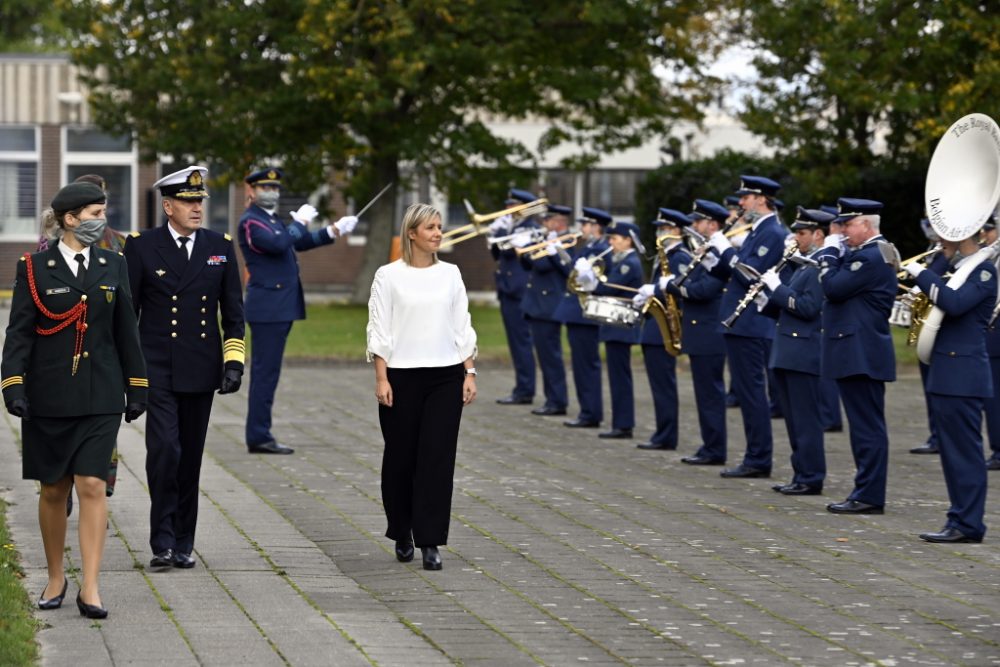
{"type": "Point", "coordinates": [751, 216]}
{"type": "Point", "coordinates": [90, 232]}
{"type": "Point", "coordinates": [268, 198]}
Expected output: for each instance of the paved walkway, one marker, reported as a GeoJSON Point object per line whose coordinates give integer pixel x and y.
{"type": "Point", "coordinates": [564, 550]}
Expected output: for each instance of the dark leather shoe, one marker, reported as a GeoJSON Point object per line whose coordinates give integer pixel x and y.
{"type": "Point", "coordinates": [797, 489]}
{"type": "Point", "coordinates": [854, 507]}
{"type": "Point", "coordinates": [949, 535]}
{"type": "Point", "coordinates": [744, 472]}
{"type": "Point", "coordinates": [698, 460]}
{"type": "Point", "coordinates": [836, 428]}
{"type": "Point", "coordinates": [432, 558]}
{"type": "Point", "coordinates": [162, 559]}
{"type": "Point", "coordinates": [617, 434]}
{"type": "Point", "coordinates": [926, 448]}
{"type": "Point", "coordinates": [655, 445]}
{"type": "Point", "coordinates": [548, 411]}
{"type": "Point", "coordinates": [404, 551]}
{"type": "Point", "coordinates": [183, 561]}
{"type": "Point", "coordinates": [993, 463]}
{"type": "Point", "coordinates": [90, 610]}
{"type": "Point", "coordinates": [514, 400]}
{"type": "Point", "coordinates": [56, 602]}
{"type": "Point", "coordinates": [581, 423]}
{"type": "Point", "coordinates": [269, 448]}
{"type": "Point", "coordinates": [732, 401]}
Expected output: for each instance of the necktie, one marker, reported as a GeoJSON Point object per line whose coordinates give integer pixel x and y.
{"type": "Point", "coordinates": [184, 251]}
{"type": "Point", "coordinates": [81, 270]}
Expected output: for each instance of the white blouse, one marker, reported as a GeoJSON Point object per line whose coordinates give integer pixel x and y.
{"type": "Point", "coordinates": [419, 317]}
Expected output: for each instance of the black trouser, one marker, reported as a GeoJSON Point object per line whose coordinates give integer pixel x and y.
{"type": "Point", "coordinates": [418, 465]}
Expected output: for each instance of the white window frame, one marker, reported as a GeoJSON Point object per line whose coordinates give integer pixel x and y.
{"type": "Point", "coordinates": [27, 156]}
{"type": "Point", "coordinates": [99, 158]}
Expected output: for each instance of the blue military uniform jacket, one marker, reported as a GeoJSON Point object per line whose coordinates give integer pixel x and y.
{"type": "Point", "coordinates": [959, 361]}
{"type": "Point", "coordinates": [860, 289]}
{"type": "Point", "coordinates": [569, 310]}
{"type": "Point", "coordinates": [274, 291]}
{"type": "Point", "coordinates": [798, 307]}
{"type": "Point", "coordinates": [179, 306]}
{"type": "Point", "coordinates": [546, 285]}
{"type": "Point", "coordinates": [762, 249]}
{"type": "Point", "coordinates": [511, 276]}
{"type": "Point", "coordinates": [993, 333]}
{"type": "Point", "coordinates": [625, 271]}
{"type": "Point", "coordinates": [701, 296]}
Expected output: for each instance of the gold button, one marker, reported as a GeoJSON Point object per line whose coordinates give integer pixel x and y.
{"type": "Point", "coordinates": [694, 321]}
{"type": "Point", "coordinates": [795, 334]}
{"type": "Point", "coordinates": [173, 310]}
{"type": "Point", "coordinates": [173, 298]}
{"type": "Point", "coordinates": [203, 310]}
{"type": "Point", "coordinates": [173, 322]}
{"type": "Point", "coordinates": [951, 354]}
{"type": "Point", "coordinates": [204, 298]}
{"type": "Point", "coordinates": [86, 354]}
{"type": "Point", "coordinates": [203, 335]}
{"type": "Point", "coordinates": [278, 285]}
{"type": "Point", "coordinates": [83, 298]}
{"type": "Point", "coordinates": [203, 323]}
{"type": "Point", "coordinates": [173, 335]}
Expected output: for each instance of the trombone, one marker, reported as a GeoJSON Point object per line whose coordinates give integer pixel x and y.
{"type": "Point", "coordinates": [540, 250]}
{"type": "Point", "coordinates": [475, 228]}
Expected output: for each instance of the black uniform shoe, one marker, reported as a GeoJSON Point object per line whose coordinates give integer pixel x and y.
{"type": "Point", "coordinates": [183, 561]}
{"type": "Point", "coordinates": [404, 550]}
{"type": "Point", "coordinates": [617, 434]}
{"type": "Point", "coordinates": [854, 507]}
{"type": "Point", "coordinates": [836, 428]}
{"type": "Point", "coordinates": [926, 448]}
{"type": "Point", "coordinates": [431, 557]}
{"type": "Point", "coordinates": [548, 411]}
{"type": "Point", "coordinates": [56, 602]}
{"type": "Point", "coordinates": [732, 401]}
{"type": "Point", "coordinates": [993, 463]}
{"type": "Point", "coordinates": [949, 535]}
{"type": "Point", "coordinates": [90, 610]}
{"type": "Point", "coordinates": [698, 460]}
{"type": "Point", "coordinates": [269, 448]}
{"type": "Point", "coordinates": [796, 489]}
{"type": "Point", "coordinates": [162, 559]}
{"type": "Point", "coordinates": [515, 400]}
{"type": "Point", "coordinates": [655, 445]}
{"type": "Point", "coordinates": [741, 471]}
{"type": "Point", "coordinates": [581, 423]}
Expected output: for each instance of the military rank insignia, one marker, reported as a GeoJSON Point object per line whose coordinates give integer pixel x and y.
{"type": "Point", "coordinates": [160, 272]}
{"type": "Point", "coordinates": [216, 260]}
{"type": "Point", "coordinates": [109, 292]}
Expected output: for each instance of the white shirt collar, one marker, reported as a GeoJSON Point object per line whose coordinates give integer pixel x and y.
{"type": "Point", "coordinates": [175, 236]}
{"type": "Point", "coordinates": [70, 256]}
{"type": "Point", "coordinates": [761, 219]}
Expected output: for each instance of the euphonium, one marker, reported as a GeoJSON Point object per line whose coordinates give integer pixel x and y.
{"type": "Point", "coordinates": [667, 315]}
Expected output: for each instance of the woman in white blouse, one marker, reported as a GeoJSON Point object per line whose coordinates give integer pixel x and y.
{"type": "Point", "coordinates": [421, 339]}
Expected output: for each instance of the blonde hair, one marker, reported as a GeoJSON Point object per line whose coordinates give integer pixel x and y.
{"type": "Point", "coordinates": [416, 215]}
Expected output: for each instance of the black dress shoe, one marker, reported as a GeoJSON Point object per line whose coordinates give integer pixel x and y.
{"type": "Point", "coordinates": [581, 423]}
{"type": "Point", "coordinates": [796, 489]}
{"type": "Point", "coordinates": [926, 448]}
{"type": "Point", "coordinates": [836, 428]}
{"type": "Point", "coordinates": [548, 411]}
{"type": "Point", "coordinates": [949, 535]}
{"type": "Point", "coordinates": [90, 610]}
{"type": "Point", "coordinates": [432, 558]}
{"type": "Point", "coordinates": [162, 559]}
{"type": "Point", "coordinates": [854, 507]}
{"type": "Point", "coordinates": [183, 561]}
{"type": "Point", "coordinates": [617, 434]}
{"type": "Point", "coordinates": [56, 602]}
{"type": "Point", "coordinates": [269, 448]}
{"type": "Point", "coordinates": [655, 445]}
{"type": "Point", "coordinates": [744, 472]}
{"type": "Point", "coordinates": [993, 463]}
{"type": "Point", "coordinates": [515, 400]}
{"type": "Point", "coordinates": [404, 550]}
{"type": "Point", "coordinates": [732, 401]}
{"type": "Point", "coordinates": [699, 460]}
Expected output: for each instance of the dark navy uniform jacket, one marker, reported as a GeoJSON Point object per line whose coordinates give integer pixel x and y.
{"type": "Point", "coordinates": [511, 277]}
{"type": "Point", "coordinates": [993, 333]}
{"type": "Point", "coordinates": [701, 296]}
{"type": "Point", "coordinates": [798, 306]}
{"type": "Point", "coordinates": [546, 285]}
{"type": "Point", "coordinates": [860, 289]}
{"type": "Point", "coordinates": [959, 361]}
{"type": "Point", "coordinates": [627, 272]}
{"type": "Point", "coordinates": [38, 367]}
{"type": "Point", "coordinates": [569, 310]}
{"type": "Point", "coordinates": [274, 291]}
{"type": "Point", "coordinates": [179, 306]}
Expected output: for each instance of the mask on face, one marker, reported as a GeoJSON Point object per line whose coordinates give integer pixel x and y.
{"type": "Point", "coordinates": [90, 231]}
{"type": "Point", "coordinates": [268, 198]}
{"type": "Point", "coordinates": [751, 216]}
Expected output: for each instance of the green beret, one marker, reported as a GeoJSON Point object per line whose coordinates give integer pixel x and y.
{"type": "Point", "coordinates": [77, 195]}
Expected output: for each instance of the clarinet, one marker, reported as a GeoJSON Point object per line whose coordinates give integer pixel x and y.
{"type": "Point", "coordinates": [755, 289]}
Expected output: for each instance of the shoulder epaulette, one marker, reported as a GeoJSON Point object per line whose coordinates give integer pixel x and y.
{"type": "Point", "coordinates": [134, 234]}
{"type": "Point", "coordinates": [889, 253]}
{"type": "Point", "coordinates": [227, 237]}
{"type": "Point", "coordinates": [23, 258]}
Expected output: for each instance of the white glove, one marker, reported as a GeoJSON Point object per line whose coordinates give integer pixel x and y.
{"type": "Point", "coordinates": [500, 226]}
{"type": "Point", "coordinates": [834, 241]}
{"type": "Point", "coordinates": [587, 282]}
{"type": "Point", "coordinates": [737, 241]}
{"type": "Point", "coordinates": [915, 268]}
{"type": "Point", "coordinates": [521, 239]}
{"type": "Point", "coordinates": [719, 241]}
{"type": "Point", "coordinates": [581, 265]}
{"type": "Point", "coordinates": [552, 235]}
{"type": "Point", "coordinates": [640, 299]}
{"type": "Point", "coordinates": [552, 249]}
{"type": "Point", "coordinates": [711, 259]}
{"type": "Point", "coordinates": [761, 301]}
{"type": "Point", "coordinates": [305, 214]}
{"type": "Point", "coordinates": [770, 279]}
{"type": "Point", "coordinates": [666, 280]}
{"type": "Point", "coordinates": [346, 224]}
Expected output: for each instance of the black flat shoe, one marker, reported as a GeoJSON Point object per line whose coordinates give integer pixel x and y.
{"type": "Point", "coordinates": [162, 559]}
{"type": "Point", "coordinates": [270, 448]}
{"type": "Point", "coordinates": [836, 428]}
{"type": "Point", "coordinates": [548, 411]}
{"type": "Point", "coordinates": [404, 551]}
{"type": "Point", "coordinates": [90, 610]}
{"type": "Point", "coordinates": [797, 489]}
{"type": "Point", "coordinates": [949, 535]}
{"type": "Point", "coordinates": [581, 423]}
{"type": "Point", "coordinates": [698, 460]}
{"type": "Point", "coordinates": [993, 463]}
{"type": "Point", "coordinates": [854, 507]}
{"type": "Point", "coordinates": [56, 602]}
{"type": "Point", "coordinates": [617, 434]}
{"type": "Point", "coordinates": [515, 400]}
{"type": "Point", "coordinates": [926, 448]}
{"type": "Point", "coordinates": [655, 445]}
{"type": "Point", "coordinates": [744, 472]}
{"type": "Point", "coordinates": [432, 558]}
{"type": "Point", "coordinates": [183, 561]}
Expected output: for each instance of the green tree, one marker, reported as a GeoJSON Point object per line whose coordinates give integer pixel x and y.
{"type": "Point", "coordinates": [380, 89]}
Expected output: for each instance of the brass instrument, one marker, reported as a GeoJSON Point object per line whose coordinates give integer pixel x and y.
{"type": "Point", "coordinates": [667, 315]}
{"type": "Point", "coordinates": [596, 263]}
{"type": "Point", "coordinates": [756, 288]}
{"type": "Point", "coordinates": [533, 234]}
{"type": "Point", "coordinates": [540, 250]}
{"type": "Point", "coordinates": [927, 256]}
{"type": "Point", "coordinates": [736, 231]}
{"type": "Point", "coordinates": [475, 228]}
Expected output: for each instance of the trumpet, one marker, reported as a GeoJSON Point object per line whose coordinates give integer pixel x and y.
{"type": "Point", "coordinates": [540, 250]}
{"type": "Point", "coordinates": [534, 235]}
{"type": "Point", "coordinates": [927, 256]}
{"type": "Point", "coordinates": [475, 228]}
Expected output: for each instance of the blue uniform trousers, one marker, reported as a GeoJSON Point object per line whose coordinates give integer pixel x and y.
{"type": "Point", "coordinates": [958, 419]}
{"type": "Point", "coordinates": [661, 368]}
{"type": "Point", "coordinates": [991, 406]}
{"type": "Point", "coordinates": [619, 358]}
{"type": "Point", "coordinates": [932, 437]}
{"type": "Point", "coordinates": [546, 336]}
{"type": "Point", "coordinates": [773, 403]}
{"type": "Point", "coordinates": [519, 344]}
{"type": "Point", "coordinates": [864, 404]}
{"type": "Point", "coordinates": [710, 399]}
{"type": "Point", "coordinates": [798, 394]}
{"type": "Point", "coordinates": [585, 355]}
{"type": "Point", "coordinates": [265, 370]}
{"type": "Point", "coordinates": [747, 367]}
{"type": "Point", "coordinates": [829, 404]}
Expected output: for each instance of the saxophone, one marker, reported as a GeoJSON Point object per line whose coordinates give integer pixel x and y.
{"type": "Point", "coordinates": [667, 315]}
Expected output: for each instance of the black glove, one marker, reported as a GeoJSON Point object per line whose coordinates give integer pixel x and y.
{"type": "Point", "coordinates": [133, 411]}
{"type": "Point", "coordinates": [19, 408]}
{"type": "Point", "coordinates": [231, 381]}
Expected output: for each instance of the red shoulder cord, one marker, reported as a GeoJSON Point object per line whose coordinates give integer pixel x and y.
{"type": "Point", "coordinates": [77, 314]}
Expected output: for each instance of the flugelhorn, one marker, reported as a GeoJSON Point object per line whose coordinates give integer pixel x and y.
{"type": "Point", "coordinates": [539, 250]}
{"type": "Point", "coordinates": [532, 234]}
{"type": "Point", "coordinates": [475, 227]}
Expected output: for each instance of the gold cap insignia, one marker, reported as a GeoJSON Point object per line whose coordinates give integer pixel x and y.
{"type": "Point", "coordinates": [195, 178]}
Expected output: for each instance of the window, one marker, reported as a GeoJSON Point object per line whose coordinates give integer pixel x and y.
{"type": "Point", "coordinates": [89, 151]}
{"type": "Point", "coordinates": [613, 190]}
{"type": "Point", "coordinates": [119, 180]}
{"type": "Point", "coordinates": [19, 209]}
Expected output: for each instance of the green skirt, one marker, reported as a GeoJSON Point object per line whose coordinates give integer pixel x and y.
{"type": "Point", "coordinates": [54, 447]}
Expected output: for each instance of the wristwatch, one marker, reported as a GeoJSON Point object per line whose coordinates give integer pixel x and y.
{"type": "Point", "coordinates": [470, 371]}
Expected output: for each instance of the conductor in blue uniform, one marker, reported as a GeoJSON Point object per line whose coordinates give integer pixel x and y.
{"type": "Point", "coordinates": [185, 282]}
{"type": "Point", "coordinates": [274, 297]}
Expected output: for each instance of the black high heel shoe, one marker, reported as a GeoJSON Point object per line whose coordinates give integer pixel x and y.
{"type": "Point", "coordinates": [90, 610]}
{"type": "Point", "coordinates": [432, 558]}
{"type": "Point", "coordinates": [404, 550]}
{"type": "Point", "coordinates": [56, 602]}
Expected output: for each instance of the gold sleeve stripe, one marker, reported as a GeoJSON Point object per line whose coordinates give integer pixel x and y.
{"type": "Point", "coordinates": [234, 344]}
{"type": "Point", "coordinates": [138, 382]}
{"type": "Point", "coordinates": [11, 381]}
{"type": "Point", "coordinates": [234, 355]}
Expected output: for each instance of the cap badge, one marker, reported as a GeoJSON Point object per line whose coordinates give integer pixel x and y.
{"type": "Point", "coordinates": [195, 178]}
{"type": "Point", "coordinates": [272, 174]}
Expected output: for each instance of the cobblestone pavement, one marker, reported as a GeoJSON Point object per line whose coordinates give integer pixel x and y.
{"type": "Point", "coordinates": [564, 550]}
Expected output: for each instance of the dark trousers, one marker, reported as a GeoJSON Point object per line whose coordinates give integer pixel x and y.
{"type": "Point", "coordinates": [710, 398]}
{"type": "Point", "coordinates": [546, 336]}
{"type": "Point", "coordinates": [748, 368]}
{"type": "Point", "coordinates": [864, 404]}
{"type": "Point", "coordinates": [619, 358]}
{"type": "Point", "coordinates": [829, 404]}
{"type": "Point", "coordinates": [798, 394]}
{"type": "Point", "coordinates": [991, 406]}
{"type": "Point", "coordinates": [418, 464]}
{"type": "Point", "coordinates": [958, 419]}
{"type": "Point", "coordinates": [661, 369]}
{"type": "Point", "coordinates": [265, 370]}
{"type": "Point", "coordinates": [519, 344]}
{"type": "Point", "coordinates": [176, 424]}
{"type": "Point", "coordinates": [932, 437]}
{"type": "Point", "coordinates": [585, 356]}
